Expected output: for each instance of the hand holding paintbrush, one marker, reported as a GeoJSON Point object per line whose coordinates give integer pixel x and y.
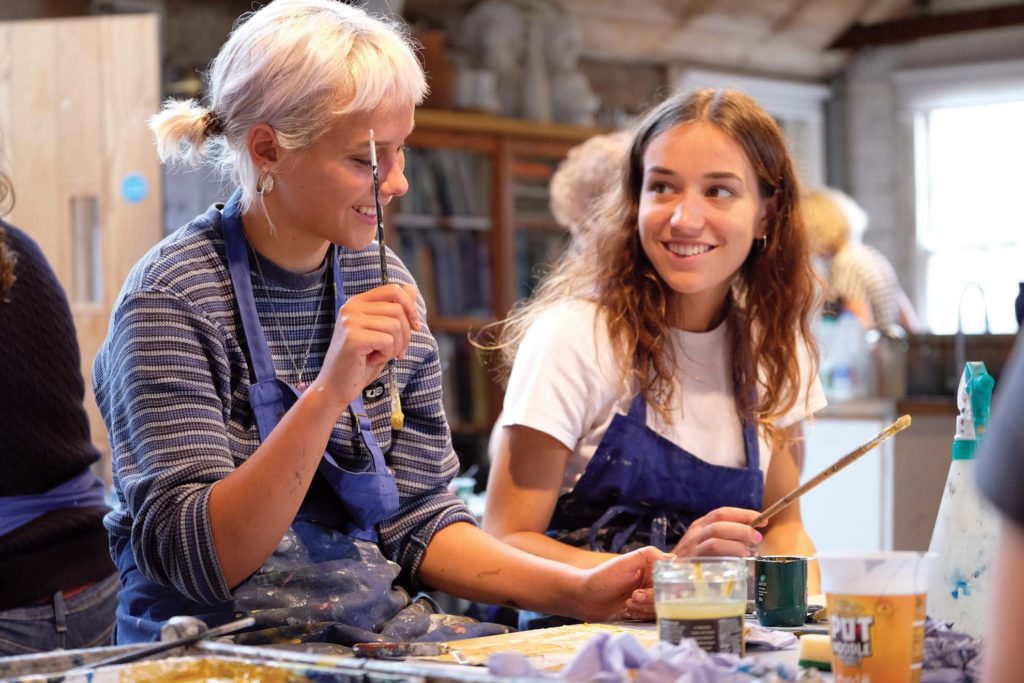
{"type": "Point", "coordinates": [397, 416]}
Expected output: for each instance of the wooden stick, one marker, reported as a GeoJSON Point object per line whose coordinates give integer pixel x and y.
{"type": "Point", "coordinates": [781, 504]}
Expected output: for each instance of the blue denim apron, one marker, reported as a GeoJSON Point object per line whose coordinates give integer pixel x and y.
{"type": "Point", "coordinates": [327, 579]}
{"type": "Point", "coordinates": [641, 489]}
{"type": "Point", "coordinates": [370, 496]}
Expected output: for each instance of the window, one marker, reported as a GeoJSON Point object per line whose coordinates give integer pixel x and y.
{"type": "Point", "coordinates": [968, 143]}
{"type": "Point", "coordinates": [970, 222]}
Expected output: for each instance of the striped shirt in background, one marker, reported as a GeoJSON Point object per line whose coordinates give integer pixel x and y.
{"type": "Point", "coordinates": [861, 272]}
{"type": "Point", "coordinates": [172, 383]}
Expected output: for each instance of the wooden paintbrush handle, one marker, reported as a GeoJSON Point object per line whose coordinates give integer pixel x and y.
{"type": "Point", "coordinates": [897, 426]}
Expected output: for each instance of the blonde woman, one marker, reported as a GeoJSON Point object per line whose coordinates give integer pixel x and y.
{"type": "Point", "coordinates": [254, 458]}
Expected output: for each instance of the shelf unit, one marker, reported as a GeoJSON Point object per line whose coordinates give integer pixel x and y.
{"type": "Point", "coordinates": [476, 231]}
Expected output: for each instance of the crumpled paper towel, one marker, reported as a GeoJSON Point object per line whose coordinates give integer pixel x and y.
{"type": "Point", "coordinates": [949, 656]}
{"type": "Point", "coordinates": [610, 658]}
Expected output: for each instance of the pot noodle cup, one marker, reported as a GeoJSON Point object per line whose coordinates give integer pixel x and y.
{"type": "Point", "coordinates": [704, 598]}
{"type": "Point", "coordinates": [876, 612]}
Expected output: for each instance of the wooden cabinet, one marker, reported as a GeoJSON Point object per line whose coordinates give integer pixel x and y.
{"type": "Point", "coordinates": [74, 98]}
{"type": "Point", "coordinates": [476, 232]}
{"type": "Point", "coordinates": [887, 500]}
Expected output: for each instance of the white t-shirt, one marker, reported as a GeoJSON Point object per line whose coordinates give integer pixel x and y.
{"type": "Point", "coordinates": [566, 383]}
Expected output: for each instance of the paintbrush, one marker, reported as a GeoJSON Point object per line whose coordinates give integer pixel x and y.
{"type": "Point", "coordinates": [397, 416]}
{"type": "Point", "coordinates": [163, 646]}
{"type": "Point", "coordinates": [781, 504]}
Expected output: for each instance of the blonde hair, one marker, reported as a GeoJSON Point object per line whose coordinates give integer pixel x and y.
{"type": "Point", "coordinates": [772, 298]}
{"type": "Point", "coordinates": [590, 172]}
{"type": "Point", "coordinates": [294, 65]}
{"type": "Point", "coordinates": [827, 224]}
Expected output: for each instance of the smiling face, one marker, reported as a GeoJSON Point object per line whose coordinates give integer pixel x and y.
{"type": "Point", "coordinates": [699, 214]}
{"type": "Point", "coordinates": [324, 193]}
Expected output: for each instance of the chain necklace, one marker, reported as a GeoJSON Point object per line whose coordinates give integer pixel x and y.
{"type": "Point", "coordinates": [299, 371]}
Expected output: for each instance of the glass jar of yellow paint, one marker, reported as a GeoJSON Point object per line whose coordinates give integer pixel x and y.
{"type": "Point", "coordinates": [703, 598]}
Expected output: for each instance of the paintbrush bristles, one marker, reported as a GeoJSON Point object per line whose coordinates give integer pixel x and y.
{"type": "Point", "coordinates": [373, 150]}
{"type": "Point", "coordinates": [784, 502]}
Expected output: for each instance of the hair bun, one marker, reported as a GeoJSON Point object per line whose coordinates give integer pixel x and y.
{"type": "Point", "coordinates": [213, 123]}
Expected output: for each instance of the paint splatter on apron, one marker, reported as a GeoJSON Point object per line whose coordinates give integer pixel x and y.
{"type": "Point", "coordinates": [641, 489]}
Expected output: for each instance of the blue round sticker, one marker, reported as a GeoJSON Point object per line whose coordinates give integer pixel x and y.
{"type": "Point", "coordinates": [134, 188]}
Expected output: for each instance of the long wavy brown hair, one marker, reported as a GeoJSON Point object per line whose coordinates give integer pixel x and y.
{"type": "Point", "coordinates": [7, 256]}
{"type": "Point", "coordinates": [772, 297]}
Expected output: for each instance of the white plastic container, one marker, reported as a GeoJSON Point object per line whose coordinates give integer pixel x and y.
{"type": "Point", "coordinates": [966, 528]}
{"type": "Point", "coordinates": [964, 539]}
{"type": "Point", "coordinates": [898, 572]}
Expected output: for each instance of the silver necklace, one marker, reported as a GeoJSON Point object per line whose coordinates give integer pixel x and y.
{"type": "Point", "coordinates": [299, 371]}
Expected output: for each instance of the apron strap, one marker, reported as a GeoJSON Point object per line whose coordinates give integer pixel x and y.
{"type": "Point", "coordinates": [623, 535]}
{"type": "Point", "coordinates": [751, 445]}
{"type": "Point", "coordinates": [238, 266]}
{"type": "Point", "coordinates": [638, 408]}
{"type": "Point", "coordinates": [365, 430]}
{"type": "Point", "coordinates": [266, 377]}
{"type": "Point", "coordinates": [82, 490]}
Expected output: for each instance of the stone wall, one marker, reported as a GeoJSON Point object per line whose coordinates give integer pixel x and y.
{"type": "Point", "coordinates": [877, 135]}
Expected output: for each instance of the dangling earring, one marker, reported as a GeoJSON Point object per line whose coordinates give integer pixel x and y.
{"type": "Point", "coordinates": [762, 242]}
{"type": "Point", "coordinates": [265, 185]}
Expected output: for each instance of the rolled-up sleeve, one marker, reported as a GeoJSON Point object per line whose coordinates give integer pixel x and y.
{"type": "Point", "coordinates": [157, 383]}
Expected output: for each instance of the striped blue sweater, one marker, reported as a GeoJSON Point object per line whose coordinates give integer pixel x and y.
{"type": "Point", "coordinates": [172, 383]}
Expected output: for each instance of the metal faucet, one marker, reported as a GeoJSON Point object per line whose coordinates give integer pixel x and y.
{"type": "Point", "coordinates": [960, 346]}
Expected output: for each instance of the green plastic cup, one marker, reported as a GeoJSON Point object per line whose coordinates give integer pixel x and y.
{"type": "Point", "coordinates": [781, 593]}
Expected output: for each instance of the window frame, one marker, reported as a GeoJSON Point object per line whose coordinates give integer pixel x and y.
{"type": "Point", "coordinates": [919, 92]}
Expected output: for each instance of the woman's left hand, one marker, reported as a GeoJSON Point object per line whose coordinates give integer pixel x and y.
{"type": "Point", "coordinates": [609, 591]}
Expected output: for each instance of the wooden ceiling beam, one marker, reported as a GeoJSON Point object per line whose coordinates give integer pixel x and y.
{"type": "Point", "coordinates": [690, 10]}
{"type": "Point", "coordinates": [907, 30]}
{"type": "Point", "coordinates": [786, 20]}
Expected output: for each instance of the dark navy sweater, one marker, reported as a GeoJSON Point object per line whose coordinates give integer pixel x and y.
{"type": "Point", "coordinates": [44, 435]}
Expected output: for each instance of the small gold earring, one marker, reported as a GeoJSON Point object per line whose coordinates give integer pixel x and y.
{"type": "Point", "coordinates": [762, 242]}
{"type": "Point", "coordinates": [265, 185]}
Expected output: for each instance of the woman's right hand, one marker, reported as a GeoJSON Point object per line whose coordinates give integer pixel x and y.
{"type": "Point", "coordinates": [371, 329]}
{"type": "Point", "coordinates": [723, 532]}
{"type": "Point", "coordinates": [611, 590]}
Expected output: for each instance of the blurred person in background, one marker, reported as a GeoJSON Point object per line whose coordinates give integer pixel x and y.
{"type": "Point", "coordinates": [863, 327]}
{"type": "Point", "coordinates": [858, 277]}
{"type": "Point", "coordinates": [590, 172]}
{"type": "Point", "coordinates": [586, 178]}
{"type": "Point", "coordinates": [58, 586]}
